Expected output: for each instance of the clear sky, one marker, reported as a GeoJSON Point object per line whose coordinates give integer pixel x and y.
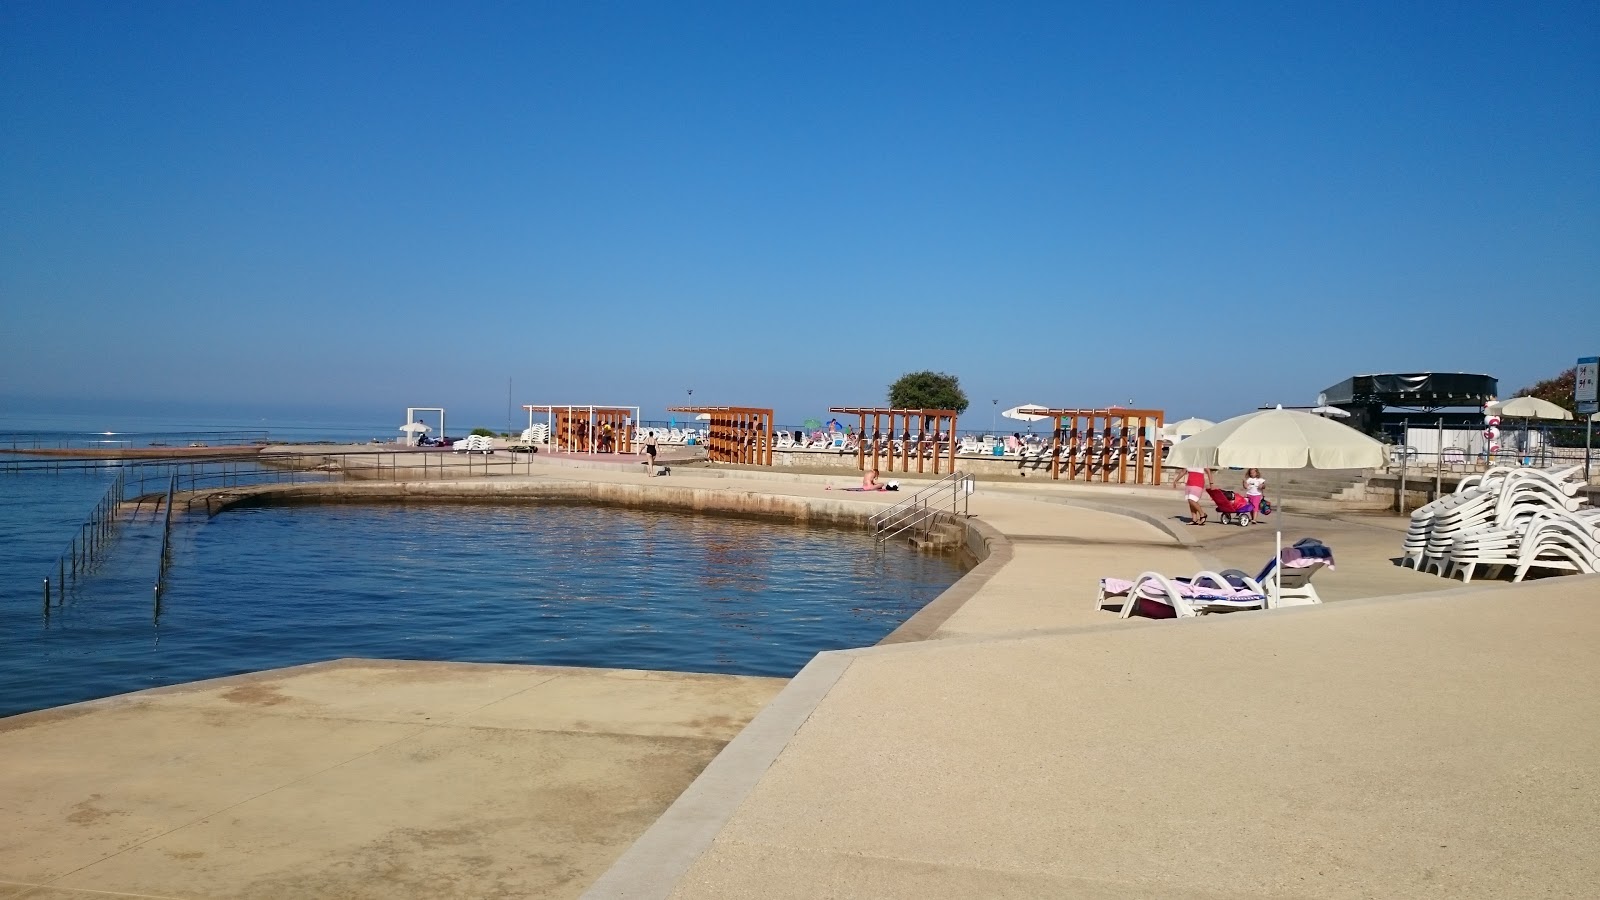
{"type": "Point", "coordinates": [350, 208]}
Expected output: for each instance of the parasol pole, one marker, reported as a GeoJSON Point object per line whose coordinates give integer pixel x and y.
{"type": "Point", "coordinates": [1277, 565]}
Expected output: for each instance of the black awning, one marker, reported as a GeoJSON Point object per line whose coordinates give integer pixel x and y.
{"type": "Point", "coordinates": [1425, 390]}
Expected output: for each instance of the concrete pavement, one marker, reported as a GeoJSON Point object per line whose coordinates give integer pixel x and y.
{"type": "Point", "coordinates": [1441, 745]}
{"type": "Point", "coordinates": [356, 779]}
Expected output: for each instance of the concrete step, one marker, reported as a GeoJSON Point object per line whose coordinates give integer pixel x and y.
{"type": "Point", "coordinates": [942, 538]}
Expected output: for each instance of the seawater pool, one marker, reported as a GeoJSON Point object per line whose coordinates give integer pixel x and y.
{"type": "Point", "coordinates": [261, 588]}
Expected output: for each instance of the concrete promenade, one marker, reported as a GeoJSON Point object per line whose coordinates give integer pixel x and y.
{"type": "Point", "coordinates": [356, 779]}
{"type": "Point", "coordinates": [1407, 738]}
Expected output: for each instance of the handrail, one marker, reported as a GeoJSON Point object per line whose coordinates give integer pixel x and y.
{"type": "Point", "coordinates": [97, 530]}
{"type": "Point", "coordinates": [947, 495]}
{"type": "Point", "coordinates": [166, 543]}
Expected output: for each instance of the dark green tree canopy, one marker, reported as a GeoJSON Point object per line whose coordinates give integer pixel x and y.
{"type": "Point", "coordinates": [928, 390]}
{"type": "Point", "coordinates": [1559, 390]}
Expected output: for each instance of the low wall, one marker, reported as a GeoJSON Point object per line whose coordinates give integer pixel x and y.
{"type": "Point", "coordinates": [794, 510]}
{"type": "Point", "coordinates": [971, 464]}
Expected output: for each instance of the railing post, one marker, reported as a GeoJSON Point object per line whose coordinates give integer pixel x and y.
{"type": "Point", "coordinates": [47, 596]}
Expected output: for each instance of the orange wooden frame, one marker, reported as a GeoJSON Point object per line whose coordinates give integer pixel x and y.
{"type": "Point", "coordinates": [736, 434]}
{"type": "Point", "coordinates": [1104, 442]}
{"type": "Point", "coordinates": [923, 434]}
{"type": "Point", "coordinates": [578, 428]}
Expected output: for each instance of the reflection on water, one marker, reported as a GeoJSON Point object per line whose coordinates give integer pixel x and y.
{"type": "Point", "coordinates": [564, 585]}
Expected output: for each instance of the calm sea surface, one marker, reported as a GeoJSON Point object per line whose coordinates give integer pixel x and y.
{"type": "Point", "coordinates": [564, 585]}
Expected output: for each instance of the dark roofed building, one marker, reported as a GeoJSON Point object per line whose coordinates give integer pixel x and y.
{"type": "Point", "coordinates": [1375, 401]}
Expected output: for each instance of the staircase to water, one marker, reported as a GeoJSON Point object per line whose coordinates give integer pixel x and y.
{"type": "Point", "coordinates": [928, 517]}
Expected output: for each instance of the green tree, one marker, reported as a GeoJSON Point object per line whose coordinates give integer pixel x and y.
{"type": "Point", "coordinates": [1558, 390]}
{"type": "Point", "coordinates": [928, 390]}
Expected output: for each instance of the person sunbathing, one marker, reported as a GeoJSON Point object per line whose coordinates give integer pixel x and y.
{"type": "Point", "coordinates": [869, 482]}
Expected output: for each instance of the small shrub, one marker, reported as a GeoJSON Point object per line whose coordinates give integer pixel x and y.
{"type": "Point", "coordinates": [482, 432]}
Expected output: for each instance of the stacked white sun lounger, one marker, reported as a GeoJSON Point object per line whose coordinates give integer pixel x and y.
{"type": "Point", "coordinates": [1507, 517]}
{"type": "Point", "coordinates": [476, 443]}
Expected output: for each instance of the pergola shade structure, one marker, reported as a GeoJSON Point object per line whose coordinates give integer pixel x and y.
{"type": "Point", "coordinates": [735, 434]}
{"type": "Point", "coordinates": [924, 436]}
{"type": "Point", "coordinates": [582, 427]}
{"type": "Point", "coordinates": [1104, 444]}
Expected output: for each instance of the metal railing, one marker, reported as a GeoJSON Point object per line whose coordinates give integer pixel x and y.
{"type": "Point", "coordinates": [165, 561]}
{"type": "Point", "coordinates": [948, 495]}
{"type": "Point", "coordinates": [23, 441]}
{"type": "Point", "coordinates": [87, 547]}
{"type": "Point", "coordinates": [166, 482]}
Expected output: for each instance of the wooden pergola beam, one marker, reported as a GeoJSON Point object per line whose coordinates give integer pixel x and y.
{"type": "Point", "coordinates": [737, 434]}
{"type": "Point", "coordinates": [1099, 440]}
{"type": "Point", "coordinates": [901, 421]}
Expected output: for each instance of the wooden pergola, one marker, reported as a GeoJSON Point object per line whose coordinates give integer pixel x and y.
{"type": "Point", "coordinates": [736, 434]}
{"type": "Point", "coordinates": [922, 434]}
{"type": "Point", "coordinates": [577, 428]}
{"type": "Point", "coordinates": [1098, 442]}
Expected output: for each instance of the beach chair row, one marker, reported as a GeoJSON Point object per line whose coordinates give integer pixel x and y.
{"type": "Point", "coordinates": [1507, 518]}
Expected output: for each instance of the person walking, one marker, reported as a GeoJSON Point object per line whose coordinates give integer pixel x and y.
{"type": "Point", "coordinates": [650, 451]}
{"type": "Point", "coordinates": [1195, 482]}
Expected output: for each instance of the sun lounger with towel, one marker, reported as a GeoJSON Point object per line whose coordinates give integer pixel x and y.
{"type": "Point", "coordinates": [1156, 596]}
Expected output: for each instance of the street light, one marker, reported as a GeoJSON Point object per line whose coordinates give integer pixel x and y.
{"type": "Point", "coordinates": [994, 416]}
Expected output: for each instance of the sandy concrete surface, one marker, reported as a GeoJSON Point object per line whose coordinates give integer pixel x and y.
{"type": "Point", "coordinates": [1443, 745]}
{"type": "Point", "coordinates": [356, 779]}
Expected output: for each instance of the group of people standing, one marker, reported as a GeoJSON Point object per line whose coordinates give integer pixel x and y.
{"type": "Point", "coordinates": [604, 437]}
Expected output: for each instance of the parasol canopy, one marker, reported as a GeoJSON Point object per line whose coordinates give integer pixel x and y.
{"type": "Point", "coordinates": [1027, 412]}
{"type": "Point", "coordinates": [1279, 439]}
{"type": "Point", "coordinates": [1187, 428]}
{"type": "Point", "coordinates": [1528, 408]}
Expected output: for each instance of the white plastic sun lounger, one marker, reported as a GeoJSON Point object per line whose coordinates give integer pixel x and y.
{"type": "Point", "coordinates": [1203, 594]}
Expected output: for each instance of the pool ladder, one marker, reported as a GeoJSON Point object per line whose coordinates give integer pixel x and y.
{"type": "Point", "coordinates": [947, 496]}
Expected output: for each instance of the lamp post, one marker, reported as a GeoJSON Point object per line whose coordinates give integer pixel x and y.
{"type": "Point", "coordinates": [994, 415]}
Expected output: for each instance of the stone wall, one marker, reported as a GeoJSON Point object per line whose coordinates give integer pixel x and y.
{"type": "Point", "coordinates": [975, 465]}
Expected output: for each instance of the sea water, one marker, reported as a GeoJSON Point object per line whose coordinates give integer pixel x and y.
{"type": "Point", "coordinates": [527, 582]}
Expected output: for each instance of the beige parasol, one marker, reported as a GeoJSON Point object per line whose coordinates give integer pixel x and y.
{"type": "Point", "coordinates": [1528, 408]}
{"type": "Point", "coordinates": [1279, 439]}
{"type": "Point", "coordinates": [1185, 429]}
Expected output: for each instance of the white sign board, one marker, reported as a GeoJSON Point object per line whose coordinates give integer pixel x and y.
{"type": "Point", "coordinates": [1588, 376]}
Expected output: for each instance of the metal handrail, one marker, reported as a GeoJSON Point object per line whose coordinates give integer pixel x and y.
{"type": "Point", "coordinates": [947, 495]}
{"type": "Point", "coordinates": [85, 548]}
{"type": "Point", "coordinates": [166, 543]}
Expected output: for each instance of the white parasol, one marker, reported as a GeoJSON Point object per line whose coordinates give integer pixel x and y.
{"type": "Point", "coordinates": [1279, 439]}
{"type": "Point", "coordinates": [1027, 412]}
{"type": "Point", "coordinates": [1528, 408]}
{"type": "Point", "coordinates": [1332, 412]}
{"type": "Point", "coordinates": [1186, 429]}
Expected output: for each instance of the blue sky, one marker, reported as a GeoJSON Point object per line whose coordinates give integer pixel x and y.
{"type": "Point", "coordinates": [349, 208]}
